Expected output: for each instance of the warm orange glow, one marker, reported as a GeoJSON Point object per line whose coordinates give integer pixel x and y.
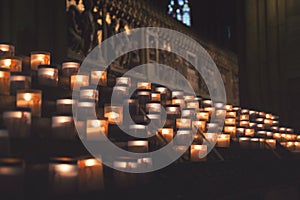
{"type": "Point", "coordinates": [39, 58]}
{"type": "Point", "coordinates": [198, 153]}
{"type": "Point", "coordinates": [30, 99]}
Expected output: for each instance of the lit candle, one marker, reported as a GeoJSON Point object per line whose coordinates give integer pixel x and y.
{"type": "Point", "coordinates": [183, 123]}
{"type": "Point", "coordinates": [198, 153]}
{"type": "Point", "coordinates": [188, 97]}
{"type": "Point", "coordinates": [244, 117]}
{"type": "Point", "coordinates": [176, 94]}
{"type": "Point", "coordinates": [173, 112]}
{"type": "Point", "coordinates": [63, 176]}
{"type": "Point", "coordinates": [268, 122]}
{"type": "Point", "coordinates": [240, 132]}
{"type": "Point", "coordinates": [70, 68]}
{"type": "Point", "coordinates": [244, 123]}
{"type": "Point", "coordinates": [79, 80]}
{"type": "Point", "coordinates": [201, 125]}
{"type": "Point", "coordinates": [231, 114]}
{"type": "Point", "coordinates": [207, 103]}
{"type": "Point", "coordinates": [223, 140]}
{"type": "Point", "coordinates": [220, 113]}
{"type": "Point", "coordinates": [244, 142]}
{"type": "Point", "coordinates": [39, 58]}
{"type": "Point", "coordinates": [96, 130]}
{"type": "Point", "coordinates": [99, 78]}
{"type": "Point", "coordinates": [123, 81]}
{"type": "Point", "coordinates": [4, 81]}
{"type": "Point", "coordinates": [249, 132]}
{"type": "Point", "coordinates": [13, 120]}
{"type": "Point", "coordinates": [290, 146]}
{"type": "Point", "coordinates": [4, 142]}
{"type": "Point", "coordinates": [64, 106]}
{"type": "Point", "coordinates": [163, 94]}
{"type": "Point", "coordinates": [193, 104]}
{"type": "Point", "coordinates": [179, 102]}
{"type": "Point", "coordinates": [138, 146]}
{"type": "Point", "coordinates": [188, 113]}
{"type": "Point", "coordinates": [210, 138]}
{"type": "Point", "coordinates": [230, 130]}
{"type": "Point", "coordinates": [48, 75]}
{"type": "Point", "coordinates": [144, 85]}
{"type": "Point", "coordinates": [138, 130]}
{"type": "Point", "coordinates": [202, 116]}
{"type": "Point", "coordinates": [85, 109]}
{"type": "Point", "coordinates": [14, 64]}
{"type": "Point", "coordinates": [230, 121]}
{"type": "Point", "coordinates": [155, 96]}
{"type": "Point", "coordinates": [63, 127]}
{"type": "Point", "coordinates": [228, 107]}
{"type": "Point", "coordinates": [255, 143]}
{"type": "Point", "coordinates": [167, 133]}
{"type": "Point", "coordinates": [19, 81]}
{"type": "Point", "coordinates": [144, 97]}
{"type": "Point", "coordinates": [90, 175]}
{"type": "Point", "coordinates": [153, 108]}
{"type": "Point", "coordinates": [184, 137]}
{"type": "Point", "coordinates": [89, 93]}
{"type": "Point", "coordinates": [120, 93]}
{"type": "Point", "coordinates": [30, 99]}
{"type": "Point", "coordinates": [271, 143]}
{"type": "Point", "coordinates": [114, 114]}
{"type": "Point", "coordinates": [7, 50]}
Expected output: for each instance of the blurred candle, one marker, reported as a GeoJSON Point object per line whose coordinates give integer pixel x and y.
{"type": "Point", "coordinates": [167, 133]}
{"type": "Point", "coordinates": [64, 106]}
{"type": "Point", "coordinates": [48, 75]}
{"type": "Point", "coordinates": [89, 93]}
{"type": "Point", "coordinates": [223, 140]}
{"type": "Point", "coordinates": [244, 142]}
{"type": "Point", "coordinates": [230, 130]}
{"type": "Point", "coordinates": [30, 99]}
{"type": "Point", "coordinates": [39, 58]}
{"type": "Point", "coordinates": [123, 81]}
{"type": "Point", "coordinates": [183, 123]}
{"type": "Point", "coordinates": [207, 103]}
{"type": "Point", "coordinates": [198, 153]}
{"type": "Point", "coordinates": [85, 109]}
{"type": "Point", "coordinates": [153, 107]}
{"type": "Point", "coordinates": [183, 137]}
{"type": "Point", "coordinates": [63, 176]}
{"type": "Point", "coordinates": [99, 78]}
{"type": "Point", "coordinates": [79, 80]}
{"type": "Point", "coordinates": [155, 96]}
{"type": "Point", "coordinates": [210, 138]}
{"type": "Point", "coordinates": [201, 125]}
{"type": "Point", "coordinates": [230, 121]}
{"type": "Point", "coordinates": [7, 50]}
{"type": "Point", "coordinates": [13, 64]}
{"type": "Point", "coordinates": [4, 81]}
{"type": "Point", "coordinates": [144, 85]}
{"type": "Point", "coordinates": [138, 146]}
{"type": "Point", "coordinates": [70, 68]}
{"type": "Point", "coordinates": [177, 94]}
{"type": "Point", "coordinates": [193, 104]}
{"type": "Point", "coordinates": [114, 114]}
{"type": "Point", "coordinates": [96, 130]}
{"type": "Point", "coordinates": [18, 122]}
{"type": "Point", "coordinates": [163, 94]}
{"type": "Point", "coordinates": [271, 143]}
{"type": "Point", "coordinates": [19, 81]}
{"type": "Point", "coordinates": [249, 132]}
{"type": "Point", "coordinates": [63, 127]}
{"type": "Point", "coordinates": [231, 114]}
{"type": "Point", "coordinates": [121, 93]}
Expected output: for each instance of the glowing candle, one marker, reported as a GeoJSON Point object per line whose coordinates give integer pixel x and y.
{"type": "Point", "coordinates": [231, 114]}
{"type": "Point", "coordinates": [177, 94]}
{"type": "Point", "coordinates": [220, 113]}
{"type": "Point", "coordinates": [144, 85]}
{"type": "Point", "coordinates": [244, 117]}
{"type": "Point", "coordinates": [223, 140]}
{"type": "Point", "coordinates": [39, 58]}
{"type": "Point", "coordinates": [155, 96]}
{"type": "Point", "coordinates": [210, 138]}
{"type": "Point", "coordinates": [153, 108]}
{"type": "Point", "coordinates": [230, 121]}
{"type": "Point", "coordinates": [13, 120]}
{"type": "Point", "coordinates": [79, 80]}
{"type": "Point", "coordinates": [184, 137]}
{"type": "Point", "coordinates": [163, 94]}
{"type": "Point", "coordinates": [244, 142]}
{"type": "Point", "coordinates": [114, 114]}
{"type": "Point", "coordinates": [96, 130]}
{"type": "Point", "coordinates": [30, 99]}
{"type": "Point", "coordinates": [230, 130]}
{"type": "Point", "coordinates": [201, 125]}
{"type": "Point", "coordinates": [207, 103]}
{"type": "Point", "coordinates": [99, 78]}
{"type": "Point", "coordinates": [90, 175]}
{"type": "Point", "coordinates": [138, 130]}
{"type": "Point", "coordinates": [14, 64]}
{"type": "Point", "coordinates": [183, 123]}
{"type": "Point", "coordinates": [173, 112]}
{"type": "Point", "coordinates": [193, 104]}
{"type": "Point", "coordinates": [85, 109]}
{"type": "Point", "coordinates": [70, 68]}
{"type": "Point", "coordinates": [268, 122]}
{"type": "Point", "coordinates": [48, 75]}
{"type": "Point", "coordinates": [138, 146]}
{"type": "Point", "coordinates": [19, 81]}
{"type": "Point", "coordinates": [228, 107]}
{"type": "Point", "coordinates": [249, 132]}
{"type": "Point", "coordinates": [7, 50]}
{"type": "Point", "coordinates": [202, 116]}
{"type": "Point", "coordinates": [4, 81]}
{"type": "Point", "coordinates": [271, 143]}
{"type": "Point", "coordinates": [64, 106]}
{"type": "Point", "coordinates": [123, 81]}
{"type": "Point", "coordinates": [198, 153]}
{"type": "Point", "coordinates": [63, 127]}
{"type": "Point", "coordinates": [244, 123]}
{"type": "Point", "coordinates": [89, 93]}
{"type": "Point", "coordinates": [63, 175]}
{"type": "Point", "coordinates": [179, 102]}
{"type": "Point", "coordinates": [167, 133]}
{"type": "Point", "coordinates": [240, 131]}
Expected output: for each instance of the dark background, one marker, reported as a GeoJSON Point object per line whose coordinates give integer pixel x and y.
{"type": "Point", "coordinates": [265, 34]}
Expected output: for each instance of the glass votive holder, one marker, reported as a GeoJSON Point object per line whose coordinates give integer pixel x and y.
{"type": "Point", "coordinates": [223, 140]}
{"type": "Point", "coordinates": [63, 128]}
{"type": "Point", "coordinates": [39, 58]}
{"type": "Point", "coordinates": [271, 143]}
{"type": "Point", "coordinates": [220, 113]}
{"type": "Point", "coordinates": [120, 93]}
{"type": "Point", "coordinates": [210, 138]}
{"type": "Point", "coordinates": [155, 96]}
{"type": "Point", "coordinates": [166, 133]}
{"type": "Point", "coordinates": [99, 77]}
{"type": "Point", "coordinates": [249, 132]}
{"type": "Point", "coordinates": [244, 142]}
{"type": "Point", "coordinates": [144, 85]}
{"type": "Point", "coordinates": [230, 130]}
{"type": "Point", "coordinates": [63, 176]}
{"type": "Point", "coordinates": [177, 94]}
{"type": "Point", "coordinates": [255, 143]}
{"type": "Point", "coordinates": [89, 92]}
{"type": "Point", "coordinates": [64, 106]}
{"type": "Point", "coordinates": [30, 99]}
{"type": "Point", "coordinates": [202, 116]}
{"type": "Point", "coordinates": [19, 81]}
{"type": "Point", "coordinates": [85, 109]}
{"type": "Point", "coordinates": [231, 114]}
{"type": "Point", "coordinates": [90, 175]}
{"type": "Point", "coordinates": [183, 123]}
{"type": "Point", "coordinates": [114, 114]}
{"type": "Point", "coordinates": [4, 81]}
{"type": "Point", "coordinates": [179, 102]}
{"type": "Point", "coordinates": [138, 130]}
{"type": "Point", "coordinates": [79, 80]}
{"type": "Point", "coordinates": [268, 122]}
{"type": "Point", "coordinates": [240, 131]}
{"type": "Point", "coordinates": [193, 104]}
{"type": "Point", "coordinates": [7, 50]}
{"type": "Point", "coordinates": [138, 146]}
{"type": "Point", "coordinates": [123, 81]}
{"type": "Point", "coordinates": [183, 137]}
{"type": "Point", "coordinates": [48, 75]}
{"type": "Point", "coordinates": [198, 153]}
{"type": "Point", "coordinates": [96, 130]}
{"type": "Point", "coordinates": [163, 94]}
{"type": "Point", "coordinates": [199, 125]}
{"type": "Point", "coordinates": [207, 103]}
{"type": "Point", "coordinates": [230, 121]}
{"type": "Point", "coordinates": [173, 112]}
{"type": "Point", "coordinates": [244, 117]}
{"type": "Point", "coordinates": [188, 113]}
{"type": "Point", "coordinates": [13, 64]}
{"type": "Point", "coordinates": [189, 97]}
{"type": "Point", "coordinates": [245, 123]}
{"type": "Point", "coordinates": [18, 122]}
{"type": "Point", "coordinates": [219, 105]}
{"type": "Point", "coordinates": [70, 68]}
{"type": "Point", "coordinates": [228, 107]}
{"type": "Point", "coordinates": [153, 107]}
